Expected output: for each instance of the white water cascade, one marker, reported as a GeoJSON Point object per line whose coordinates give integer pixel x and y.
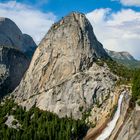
{"type": "Point", "coordinates": [111, 125]}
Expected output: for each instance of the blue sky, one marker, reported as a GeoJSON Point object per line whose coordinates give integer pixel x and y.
{"type": "Point", "coordinates": [116, 23]}
{"type": "Point", "coordinates": [63, 7]}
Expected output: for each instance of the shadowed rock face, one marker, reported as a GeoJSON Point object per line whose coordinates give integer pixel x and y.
{"type": "Point", "coordinates": [11, 36]}
{"type": "Point", "coordinates": [16, 50]}
{"type": "Point", "coordinates": [29, 45]}
{"type": "Point", "coordinates": [13, 65]}
{"type": "Point", "coordinates": [63, 76]}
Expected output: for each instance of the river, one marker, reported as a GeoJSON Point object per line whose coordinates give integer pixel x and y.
{"type": "Point", "coordinates": [111, 125]}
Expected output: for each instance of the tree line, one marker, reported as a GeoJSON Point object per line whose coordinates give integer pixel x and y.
{"type": "Point", "coordinates": [36, 124]}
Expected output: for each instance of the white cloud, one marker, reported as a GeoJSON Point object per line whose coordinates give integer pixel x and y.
{"type": "Point", "coordinates": [117, 31]}
{"type": "Point", "coordinates": [28, 19]}
{"type": "Point", "coordinates": [130, 2]}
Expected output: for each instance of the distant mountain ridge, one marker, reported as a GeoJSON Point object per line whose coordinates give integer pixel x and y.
{"type": "Point", "coordinates": [124, 58]}
{"type": "Point", "coordinates": [11, 36]}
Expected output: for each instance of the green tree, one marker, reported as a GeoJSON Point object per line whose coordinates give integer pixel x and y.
{"type": "Point", "coordinates": [136, 86]}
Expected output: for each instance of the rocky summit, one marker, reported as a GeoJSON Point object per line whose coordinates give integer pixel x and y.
{"type": "Point", "coordinates": [11, 36]}
{"type": "Point", "coordinates": [63, 76]}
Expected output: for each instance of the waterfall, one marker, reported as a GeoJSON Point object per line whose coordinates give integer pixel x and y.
{"type": "Point", "coordinates": [111, 125]}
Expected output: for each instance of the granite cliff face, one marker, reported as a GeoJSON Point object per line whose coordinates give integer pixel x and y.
{"type": "Point", "coordinates": [63, 76]}
{"type": "Point", "coordinates": [13, 65]}
{"type": "Point", "coordinates": [16, 49]}
{"type": "Point", "coordinates": [11, 36]}
{"type": "Point", "coordinates": [127, 127]}
{"type": "Point", "coordinates": [130, 129]}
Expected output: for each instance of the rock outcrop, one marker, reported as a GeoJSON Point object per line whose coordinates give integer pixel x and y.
{"type": "Point", "coordinates": [101, 116]}
{"type": "Point", "coordinates": [13, 65]}
{"type": "Point", "coordinates": [63, 76]}
{"type": "Point", "coordinates": [131, 126]}
{"type": "Point", "coordinates": [11, 36]}
{"type": "Point", "coordinates": [123, 115]}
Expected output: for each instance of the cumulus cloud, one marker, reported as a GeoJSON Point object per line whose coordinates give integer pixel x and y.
{"type": "Point", "coordinates": [117, 31]}
{"type": "Point", "coordinates": [28, 19]}
{"type": "Point", "coordinates": [130, 2]}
